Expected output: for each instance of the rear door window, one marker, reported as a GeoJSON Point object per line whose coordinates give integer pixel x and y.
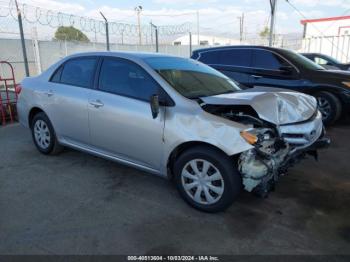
{"type": "Point", "coordinates": [78, 71]}
{"type": "Point", "coordinates": [56, 77]}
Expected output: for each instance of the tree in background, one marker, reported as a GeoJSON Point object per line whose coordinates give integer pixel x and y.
{"type": "Point", "coordinates": [265, 32]}
{"type": "Point", "coordinates": [70, 33]}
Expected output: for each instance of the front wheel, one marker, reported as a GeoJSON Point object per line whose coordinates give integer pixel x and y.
{"type": "Point", "coordinates": [329, 106]}
{"type": "Point", "coordinates": [207, 179]}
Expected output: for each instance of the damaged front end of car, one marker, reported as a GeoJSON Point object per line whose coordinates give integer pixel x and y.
{"type": "Point", "coordinates": [283, 128]}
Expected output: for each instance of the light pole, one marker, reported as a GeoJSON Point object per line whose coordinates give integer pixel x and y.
{"type": "Point", "coordinates": [24, 51]}
{"type": "Point", "coordinates": [273, 4]}
{"type": "Point", "coordinates": [138, 10]}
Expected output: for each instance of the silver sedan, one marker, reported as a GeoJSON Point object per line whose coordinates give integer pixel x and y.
{"type": "Point", "coordinates": [173, 117]}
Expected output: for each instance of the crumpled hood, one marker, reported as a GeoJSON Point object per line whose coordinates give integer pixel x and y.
{"type": "Point", "coordinates": [275, 105]}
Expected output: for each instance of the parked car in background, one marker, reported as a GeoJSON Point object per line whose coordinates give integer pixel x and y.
{"type": "Point", "coordinates": [172, 116]}
{"type": "Point", "coordinates": [326, 61]}
{"type": "Point", "coordinates": [274, 67]}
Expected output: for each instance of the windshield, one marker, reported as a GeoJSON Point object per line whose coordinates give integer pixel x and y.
{"type": "Point", "coordinates": [190, 78]}
{"type": "Point", "coordinates": [302, 60]}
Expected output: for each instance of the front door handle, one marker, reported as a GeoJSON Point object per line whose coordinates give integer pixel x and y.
{"type": "Point", "coordinates": [256, 77]}
{"type": "Point", "coordinates": [96, 103]}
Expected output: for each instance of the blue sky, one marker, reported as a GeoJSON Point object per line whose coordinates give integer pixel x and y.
{"type": "Point", "coordinates": [216, 16]}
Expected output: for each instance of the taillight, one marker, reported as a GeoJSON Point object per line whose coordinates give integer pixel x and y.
{"type": "Point", "coordinates": [18, 89]}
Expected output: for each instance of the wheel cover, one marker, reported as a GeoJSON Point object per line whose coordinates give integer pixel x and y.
{"type": "Point", "coordinates": [202, 181]}
{"type": "Point", "coordinates": [324, 106]}
{"type": "Point", "coordinates": [42, 134]}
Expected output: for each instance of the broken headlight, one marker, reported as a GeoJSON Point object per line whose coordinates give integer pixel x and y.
{"type": "Point", "coordinates": [257, 135]}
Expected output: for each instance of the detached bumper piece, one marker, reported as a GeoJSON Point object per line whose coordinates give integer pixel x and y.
{"type": "Point", "coordinates": [260, 171]}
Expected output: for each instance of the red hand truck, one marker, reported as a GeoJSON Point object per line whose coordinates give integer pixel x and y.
{"type": "Point", "coordinates": [8, 93]}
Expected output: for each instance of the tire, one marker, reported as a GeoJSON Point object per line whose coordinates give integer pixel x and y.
{"type": "Point", "coordinates": [44, 136]}
{"type": "Point", "coordinates": [330, 107]}
{"type": "Point", "coordinates": [227, 181]}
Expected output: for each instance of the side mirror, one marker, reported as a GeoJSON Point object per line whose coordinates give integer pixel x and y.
{"type": "Point", "coordinates": [287, 69]}
{"type": "Point", "coordinates": [154, 103]}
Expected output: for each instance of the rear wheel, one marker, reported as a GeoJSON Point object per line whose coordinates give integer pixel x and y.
{"type": "Point", "coordinates": [207, 179]}
{"type": "Point", "coordinates": [44, 136]}
{"type": "Point", "coordinates": [329, 106]}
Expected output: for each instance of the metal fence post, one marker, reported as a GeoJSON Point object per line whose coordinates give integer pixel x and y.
{"type": "Point", "coordinates": [347, 53]}
{"type": "Point", "coordinates": [190, 38]}
{"type": "Point", "coordinates": [156, 32]}
{"type": "Point", "coordinates": [35, 43]}
{"type": "Point", "coordinates": [107, 32]}
{"type": "Point", "coordinates": [157, 43]}
{"type": "Point", "coordinates": [342, 48]}
{"type": "Point", "coordinates": [24, 51]}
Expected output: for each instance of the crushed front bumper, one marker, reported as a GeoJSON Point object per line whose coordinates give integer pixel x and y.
{"type": "Point", "coordinates": [268, 184]}
{"type": "Point", "coordinates": [261, 170]}
{"type": "Point", "coordinates": [295, 156]}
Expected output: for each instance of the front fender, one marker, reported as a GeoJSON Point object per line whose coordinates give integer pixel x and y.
{"type": "Point", "coordinates": [203, 127]}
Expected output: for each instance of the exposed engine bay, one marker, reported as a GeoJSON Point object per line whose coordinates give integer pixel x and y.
{"type": "Point", "coordinates": [275, 147]}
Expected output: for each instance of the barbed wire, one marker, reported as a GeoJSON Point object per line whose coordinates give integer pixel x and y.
{"type": "Point", "coordinates": [54, 19]}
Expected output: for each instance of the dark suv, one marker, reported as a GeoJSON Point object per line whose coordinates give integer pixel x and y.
{"type": "Point", "coordinates": [254, 66]}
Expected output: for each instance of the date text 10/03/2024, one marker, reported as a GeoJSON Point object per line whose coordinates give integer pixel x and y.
{"type": "Point", "coordinates": [173, 258]}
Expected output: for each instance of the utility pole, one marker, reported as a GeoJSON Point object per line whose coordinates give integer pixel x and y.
{"type": "Point", "coordinates": [273, 4]}
{"type": "Point", "coordinates": [241, 27]}
{"type": "Point", "coordinates": [107, 31]}
{"type": "Point", "coordinates": [138, 10]}
{"type": "Point", "coordinates": [24, 51]}
{"type": "Point", "coordinates": [198, 41]}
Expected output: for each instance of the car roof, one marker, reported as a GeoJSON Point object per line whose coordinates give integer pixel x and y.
{"type": "Point", "coordinates": [237, 46]}
{"type": "Point", "coordinates": [129, 54]}
{"type": "Point", "coordinates": [311, 53]}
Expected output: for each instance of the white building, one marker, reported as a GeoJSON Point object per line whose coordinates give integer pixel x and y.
{"type": "Point", "coordinates": [330, 36]}
{"type": "Point", "coordinates": [205, 40]}
{"type": "Point", "coordinates": [330, 26]}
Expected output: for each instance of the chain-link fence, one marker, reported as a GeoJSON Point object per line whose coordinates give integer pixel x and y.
{"type": "Point", "coordinates": [41, 54]}
{"type": "Point", "coordinates": [44, 45]}
{"type": "Point", "coordinates": [46, 22]}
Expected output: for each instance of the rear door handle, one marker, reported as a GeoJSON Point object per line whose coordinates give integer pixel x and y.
{"type": "Point", "coordinates": [49, 93]}
{"type": "Point", "coordinates": [256, 77]}
{"type": "Point", "coordinates": [96, 103]}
